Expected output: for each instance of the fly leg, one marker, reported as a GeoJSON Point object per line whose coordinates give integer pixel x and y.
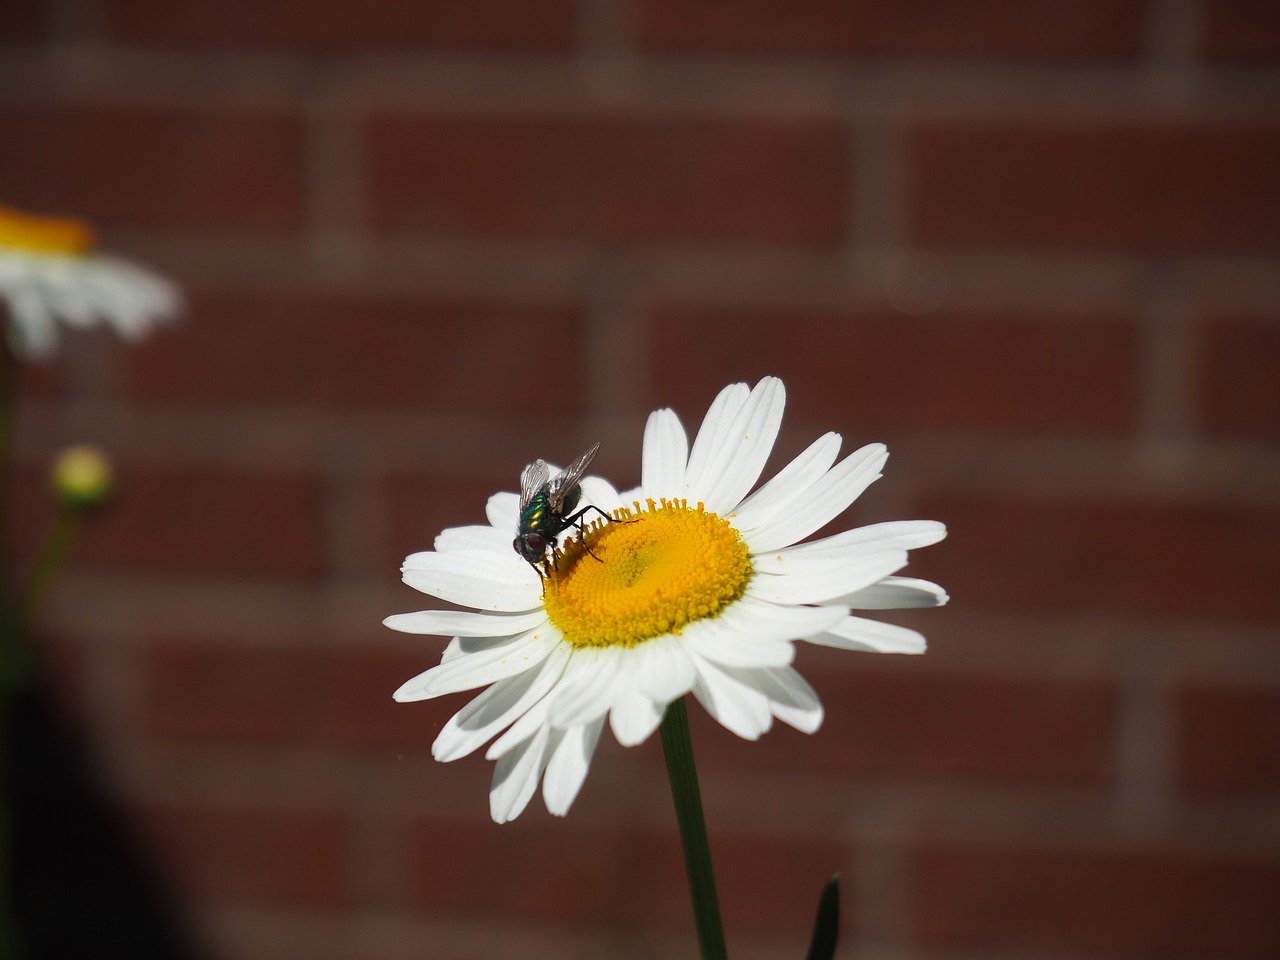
{"type": "Point", "coordinates": [548, 567]}
{"type": "Point", "coordinates": [576, 521]}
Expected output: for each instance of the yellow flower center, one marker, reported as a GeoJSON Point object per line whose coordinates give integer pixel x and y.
{"type": "Point", "coordinates": [661, 569]}
{"type": "Point", "coordinates": [49, 235]}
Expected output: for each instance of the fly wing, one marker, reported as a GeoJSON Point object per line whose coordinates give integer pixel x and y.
{"type": "Point", "coordinates": [567, 479]}
{"type": "Point", "coordinates": [532, 480]}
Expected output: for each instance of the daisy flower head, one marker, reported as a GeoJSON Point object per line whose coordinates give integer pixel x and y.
{"type": "Point", "coordinates": [50, 272]}
{"type": "Point", "coordinates": [703, 590]}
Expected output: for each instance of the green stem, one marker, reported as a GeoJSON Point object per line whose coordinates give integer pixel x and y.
{"type": "Point", "coordinates": [10, 655]}
{"type": "Point", "coordinates": [8, 893]}
{"type": "Point", "coordinates": [678, 748]}
{"type": "Point", "coordinates": [16, 665]}
{"type": "Point", "coordinates": [52, 552]}
{"type": "Point", "coordinates": [8, 374]}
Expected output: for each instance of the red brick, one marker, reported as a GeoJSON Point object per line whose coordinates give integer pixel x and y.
{"type": "Point", "coordinates": [212, 521]}
{"type": "Point", "coordinates": [498, 25]}
{"type": "Point", "coordinates": [1113, 903]}
{"type": "Point", "coordinates": [136, 165]}
{"type": "Point", "coordinates": [607, 178]}
{"type": "Point", "coordinates": [340, 352]}
{"type": "Point", "coordinates": [1227, 741]}
{"type": "Point", "coordinates": [623, 877]}
{"type": "Point", "coordinates": [176, 520]}
{"type": "Point", "coordinates": [46, 381]}
{"type": "Point", "coordinates": [24, 21]}
{"type": "Point", "coordinates": [418, 508]}
{"type": "Point", "coordinates": [286, 695]}
{"type": "Point", "coordinates": [991, 29]}
{"type": "Point", "coordinates": [1151, 558]}
{"type": "Point", "coordinates": [1001, 373]}
{"type": "Point", "coordinates": [887, 724]}
{"type": "Point", "coordinates": [1240, 29]}
{"type": "Point", "coordinates": [295, 857]}
{"type": "Point", "coordinates": [1170, 188]}
{"type": "Point", "coordinates": [1240, 378]}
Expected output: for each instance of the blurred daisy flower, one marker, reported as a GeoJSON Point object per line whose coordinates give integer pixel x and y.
{"type": "Point", "coordinates": [702, 591]}
{"type": "Point", "coordinates": [49, 271]}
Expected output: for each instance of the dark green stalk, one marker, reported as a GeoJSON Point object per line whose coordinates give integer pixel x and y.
{"type": "Point", "coordinates": [8, 901]}
{"type": "Point", "coordinates": [10, 656]}
{"type": "Point", "coordinates": [52, 552]}
{"type": "Point", "coordinates": [8, 374]}
{"type": "Point", "coordinates": [683, 775]}
{"type": "Point", "coordinates": [15, 671]}
{"type": "Point", "coordinates": [826, 926]}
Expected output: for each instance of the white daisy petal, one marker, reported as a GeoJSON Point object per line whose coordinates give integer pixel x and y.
{"type": "Point", "coordinates": [716, 430]}
{"type": "Point", "coordinates": [791, 482]}
{"type": "Point", "coordinates": [736, 706]}
{"type": "Point", "coordinates": [495, 663]}
{"type": "Point", "coordinates": [108, 293]}
{"type": "Point", "coordinates": [894, 535]}
{"type": "Point", "coordinates": [567, 768]}
{"type": "Point", "coordinates": [122, 304]}
{"type": "Point", "coordinates": [784, 563]}
{"type": "Point", "coordinates": [464, 623]}
{"type": "Point", "coordinates": [662, 668]}
{"type": "Point", "coordinates": [48, 277]}
{"type": "Point", "coordinates": [475, 538]}
{"type": "Point", "coordinates": [468, 581]}
{"type": "Point", "coordinates": [634, 716]}
{"type": "Point", "coordinates": [71, 301]}
{"type": "Point", "coordinates": [723, 645]}
{"type": "Point", "coordinates": [463, 646]}
{"type": "Point", "coordinates": [35, 330]}
{"type": "Point", "coordinates": [495, 709]}
{"type": "Point", "coordinates": [736, 466]}
{"type": "Point", "coordinates": [631, 497]}
{"type": "Point", "coordinates": [515, 778]}
{"type": "Point", "coordinates": [765, 620]}
{"type": "Point", "coordinates": [528, 723]}
{"type": "Point", "coordinates": [114, 296]}
{"type": "Point", "coordinates": [821, 585]}
{"type": "Point", "coordinates": [587, 697]}
{"type": "Point", "coordinates": [893, 593]}
{"type": "Point", "coordinates": [859, 633]}
{"type": "Point", "coordinates": [131, 298]}
{"type": "Point", "coordinates": [601, 493]}
{"type": "Point", "coordinates": [666, 453]}
{"type": "Point", "coordinates": [822, 502]}
{"type": "Point", "coordinates": [503, 511]}
{"type": "Point", "coordinates": [791, 699]}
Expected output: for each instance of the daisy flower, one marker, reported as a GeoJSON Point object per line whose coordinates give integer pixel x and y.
{"type": "Point", "coordinates": [704, 590]}
{"type": "Point", "coordinates": [49, 272]}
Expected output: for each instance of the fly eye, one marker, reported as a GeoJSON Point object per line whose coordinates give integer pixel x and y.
{"type": "Point", "coordinates": [531, 546]}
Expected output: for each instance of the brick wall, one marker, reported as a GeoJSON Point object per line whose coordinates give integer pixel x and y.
{"type": "Point", "coordinates": [1031, 245]}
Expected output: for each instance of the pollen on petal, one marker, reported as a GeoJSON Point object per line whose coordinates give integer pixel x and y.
{"type": "Point", "coordinates": [652, 571]}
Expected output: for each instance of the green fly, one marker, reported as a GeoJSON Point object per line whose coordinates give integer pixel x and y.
{"type": "Point", "coordinates": [546, 508]}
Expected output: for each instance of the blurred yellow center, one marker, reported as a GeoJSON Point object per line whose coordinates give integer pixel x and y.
{"type": "Point", "coordinates": [50, 235]}
{"type": "Point", "coordinates": [670, 565]}
{"type": "Point", "coordinates": [81, 476]}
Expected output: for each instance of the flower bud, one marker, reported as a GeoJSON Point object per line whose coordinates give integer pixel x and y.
{"type": "Point", "coordinates": [81, 477]}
